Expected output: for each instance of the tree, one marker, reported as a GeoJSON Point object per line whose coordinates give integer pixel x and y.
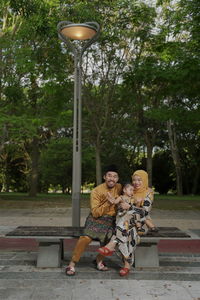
{"type": "Point", "coordinates": [56, 164]}
{"type": "Point", "coordinates": [36, 86]}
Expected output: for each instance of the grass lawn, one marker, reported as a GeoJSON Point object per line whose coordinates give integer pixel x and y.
{"type": "Point", "coordinates": [22, 200]}
{"type": "Point", "coordinates": [186, 202]}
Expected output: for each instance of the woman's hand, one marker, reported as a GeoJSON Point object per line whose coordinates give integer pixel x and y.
{"type": "Point", "coordinates": [138, 202]}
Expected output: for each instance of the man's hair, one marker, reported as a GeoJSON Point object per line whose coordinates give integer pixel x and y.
{"type": "Point", "coordinates": [111, 168]}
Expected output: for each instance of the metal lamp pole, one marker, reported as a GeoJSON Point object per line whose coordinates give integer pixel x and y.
{"type": "Point", "coordinates": [87, 32]}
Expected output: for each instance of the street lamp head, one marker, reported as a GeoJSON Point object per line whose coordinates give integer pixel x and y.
{"type": "Point", "coordinates": [83, 31]}
{"type": "Point", "coordinates": [78, 31]}
{"type": "Point", "coordinates": [87, 33]}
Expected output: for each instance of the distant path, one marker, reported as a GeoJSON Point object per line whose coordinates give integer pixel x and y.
{"type": "Point", "coordinates": [62, 217]}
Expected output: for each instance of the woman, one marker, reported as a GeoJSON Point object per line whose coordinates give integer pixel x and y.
{"type": "Point", "coordinates": [143, 196]}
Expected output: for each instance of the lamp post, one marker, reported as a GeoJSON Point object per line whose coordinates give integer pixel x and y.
{"type": "Point", "coordinates": [86, 33]}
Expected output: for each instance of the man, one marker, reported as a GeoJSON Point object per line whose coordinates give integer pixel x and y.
{"type": "Point", "coordinates": [99, 224]}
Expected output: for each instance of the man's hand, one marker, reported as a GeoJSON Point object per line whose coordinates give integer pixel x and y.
{"type": "Point", "coordinates": [118, 200]}
{"type": "Point", "coordinates": [110, 198]}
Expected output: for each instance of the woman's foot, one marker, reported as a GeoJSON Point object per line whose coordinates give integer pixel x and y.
{"type": "Point", "coordinates": [153, 229]}
{"type": "Point", "coordinates": [70, 269]}
{"type": "Point", "coordinates": [124, 271]}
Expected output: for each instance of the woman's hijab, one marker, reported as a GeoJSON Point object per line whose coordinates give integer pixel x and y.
{"type": "Point", "coordinates": [141, 192]}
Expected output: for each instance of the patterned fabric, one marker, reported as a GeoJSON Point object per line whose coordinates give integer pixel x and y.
{"type": "Point", "coordinates": [147, 206]}
{"type": "Point", "coordinates": [126, 235]}
{"type": "Point", "coordinates": [100, 229]}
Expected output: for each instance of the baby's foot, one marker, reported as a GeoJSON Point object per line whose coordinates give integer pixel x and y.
{"type": "Point", "coordinates": [140, 230]}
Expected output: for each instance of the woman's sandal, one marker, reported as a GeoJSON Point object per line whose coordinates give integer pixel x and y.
{"type": "Point", "coordinates": [154, 229]}
{"type": "Point", "coordinates": [105, 251]}
{"type": "Point", "coordinates": [70, 271]}
{"type": "Point", "coordinates": [124, 271]}
{"type": "Point", "coordinates": [100, 266]}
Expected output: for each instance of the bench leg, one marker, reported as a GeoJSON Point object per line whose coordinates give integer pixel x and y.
{"type": "Point", "coordinates": [146, 256]}
{"type": "Point", "coordinates": [49, 254]}
{"type": "Point", "coordinates": [62, 249]}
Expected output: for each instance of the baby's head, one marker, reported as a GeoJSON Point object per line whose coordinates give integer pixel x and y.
{"type": "Point", "coordinates": [128, 189]}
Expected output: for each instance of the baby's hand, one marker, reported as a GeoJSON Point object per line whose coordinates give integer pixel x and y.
{"type": "Point", "coordinates": [118, 200]}
{"type": "Point", "coordinates": [124, 205]}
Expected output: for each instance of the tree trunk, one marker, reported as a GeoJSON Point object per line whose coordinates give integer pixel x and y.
{"type": "Point", "coordinates": [196, 181]}
{"type": "Point", "coordinates": [1, 72]}
{"type": "Point", "coordinates": [7, 182]}
{"type": "Point", "coordinates": [175, 156]}
{"type": "Point", "coordinates": [34, 168]}
{"type": "Point", "coordinates": [98, 165]}
{"type": "Point", "coordinates": [4, 135]}
{"type": "Point", "coordinates": [149, 163]}
{"type": "Point", "coordinates": [149, 140]}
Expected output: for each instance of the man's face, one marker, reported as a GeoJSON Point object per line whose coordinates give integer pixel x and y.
{"type": "Point", "coordinates": [111, 178]}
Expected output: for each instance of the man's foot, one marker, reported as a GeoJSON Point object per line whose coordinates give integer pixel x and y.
{"type": "Point", "coordinates": [100, 265]}
{"type": "Point", "coordinates": [70, 271]}
{"type": "Point", "coordinates": [105, 251]}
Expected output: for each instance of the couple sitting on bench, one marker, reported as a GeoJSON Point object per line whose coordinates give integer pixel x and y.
{"type": "Point", "coordinates": [121, 232]}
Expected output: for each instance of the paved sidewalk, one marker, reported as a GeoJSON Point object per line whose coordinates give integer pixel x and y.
{"type": "Point", "coordinates": [177, 277]}
{"type": "Point", "coordinates": [72, 289]}
{"type": "Point", "coordinates": [62, 217]}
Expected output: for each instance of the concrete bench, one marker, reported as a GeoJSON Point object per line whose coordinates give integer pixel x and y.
{"type": "Point", "coordinates": [51, 250]}
{"type": "Point", "coordinates": [146, 254]}
{"type": "Point", "coordinates": [50, 239]}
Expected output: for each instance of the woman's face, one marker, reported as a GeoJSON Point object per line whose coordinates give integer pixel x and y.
{"type": "Point", "coordinates": [137, 182]}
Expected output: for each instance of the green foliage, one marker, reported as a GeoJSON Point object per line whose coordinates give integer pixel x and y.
{"type": "Point", "coordinates": [14, 168]}
{"type": "Point", "coordinates": [56, 164]}
{"type": "Point", "coordinates": [143, 70]}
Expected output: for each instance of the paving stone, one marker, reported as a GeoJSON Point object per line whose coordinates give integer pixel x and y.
{"type": "Point", "coordinates": [100, 289]}
{"type": "Point", "coordinates": [196, 231]}
{"type": "Point", "coordinates": [177, 278]}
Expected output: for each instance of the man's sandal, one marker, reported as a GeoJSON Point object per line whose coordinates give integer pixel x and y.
{"type": "Point", "coordinates": [70, 271]}
{"type": "Point", "coordinates": [105, 251]}
{"type": "Point", "coordinates": [124, 271]}
{"type": "Point", "coordinates": [100, 266]}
